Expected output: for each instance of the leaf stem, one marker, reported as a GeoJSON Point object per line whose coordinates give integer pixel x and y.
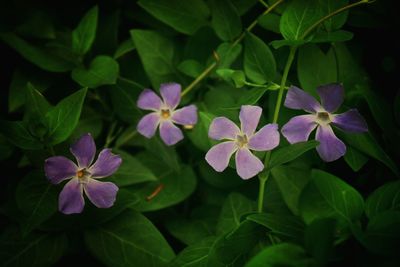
{"type": "Point", "coordinates": [261, 192]}
{"type": "Point", "coordinates": [237, 41]}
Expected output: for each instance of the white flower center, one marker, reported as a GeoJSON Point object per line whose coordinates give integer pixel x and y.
{"type": "Point", "coordinates": [83, 176]}
{"type": "Point", "coordinates": [165, 113]}
{"type": "Point", "coordinates": [241, 140]}
{"type": "Point", "coordinates": [323, 118]}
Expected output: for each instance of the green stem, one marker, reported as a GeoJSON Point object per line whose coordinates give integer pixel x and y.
{"type": "Point", "coordinates": [261, 192]}
{"type": "Point", "coordinates": [199, 78]}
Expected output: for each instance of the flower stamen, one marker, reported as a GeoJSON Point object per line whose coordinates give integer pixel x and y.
{"type": "Point", "coordinates": [241, 140]}
{"type": "Point", "coordinates": [323, 117]}
{"type": "Point", "coordinates": [165, 113]}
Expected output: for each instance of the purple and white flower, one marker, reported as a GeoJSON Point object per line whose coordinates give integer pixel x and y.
{"type": "Point", "coordinates": [165, 113]}
{"type": "Point", "coordinates": [241, 141]}
{"type": "Point", "coordinates": [84, 176]}
{"type": "Point", "coordinates": [322, 116]}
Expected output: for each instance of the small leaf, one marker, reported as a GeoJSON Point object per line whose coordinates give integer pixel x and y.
{"type": "Point", "coordinates": [289, 153]}
{"type": "Point", "coordinates": [64, 117]}
{"type": "Point", "coordinates": [270, 22]}
{"type": "Point", "coordinates": [84, 35]}
{"type": "Point", "coordinates": [326, 196]}
{"type": "Point", "coordinates": [382, 199]}
{"type": "Point", "coordinates": [259, 62]}
{"type": "Point", "coordinates": [184, 16]}
{"type": "Point", "coordinates": [195, 255]}
{"type": "Point", "coordinates": [235, 77]}
{"type": "Point", "coordinates": [189, 231]}
{"type": "Point", "coordinates": [102, 70]}
{"type": "Point", "coordinates": [36, 105]}
{"type": "Point", "coordinates": [355, 159]}
{"type": "Point", "coordinates": [191, 68]}
{"type": "Point", "coordinates": [130, 232]}
{"type": "Point", "coordinates": [228, 54]}
{"type": "Point", "coordinates": [124, 48]}
{"type": "Point", "coordinates": [225, 20]}
{"type": "Point", "coordinates": [233, 208]}
{"type": "Point", "coordinates": [329, 6]}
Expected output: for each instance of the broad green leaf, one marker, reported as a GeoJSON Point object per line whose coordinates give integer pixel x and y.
{"type": "Point", "coordinates": [131, 171]}
{"type": "Point", "coordinates": [36, 108]}
{"type": "Point", "coordinates": [199, 134]}
{"type": "Point", "coordinates": [281, 43]}
{"type": "Point", "coordinates": [184, 16]}
{"type": "Point", "coordinates": [298, 17]}
{"type": "Point", "coordinates": [284, 254]}
{"type": "Point", "coordinates": [315, 68]}
{"type": "Point", "coordinates": [355, 159]}
{"type": "Point", "coordinates": [124, 95]}
{"type": "Point", "coordinates": [189, 231]}
{"type": "Point", "coordinates": [386, 197]}
{"type": "Point", "coordinates": [174, 188]}
{"type": "Point", "coordinates": [273, 199]}
{"type": "Point", "coordinates": [17, 133]}
{"type": "Point", "coordinates": [64, 117]}
{"type": "Point", "coordinates": [367, 145]}
{"type": "Point", "coordinates": [285, 226]}
{"type": "Point", "coordinates": [228, 54]}
{"type": "Point", "coordinates": [84, 35]}
{"type": "Point", "coordinates": [163, 154]}
{"type": "Point", "coordinates": [291, 152]}
{"type": "Point", "coordinates": [124, 48]}
{"type": "Point", "coordinates": [191, 68]}
{"type": "Point", "coordinates": [236, 77]}
{"type": "Point", "coordinates": [129, 240]}
{"type": "Point", "coordinates": [328, 7]}
{"type": "Point", "coordinates": [195, 255]}
{"type": "Point", "coordinates": [270, 22]}
{"type": "Point", "coordinates": [242, 6]}
{"type": "Point", "coordinates": [330, 37]}
{"type": "Point", "coordinates": [35, 250]}
{"type": "Point", "coordinates": [38, 56]}
{"type": "Point", "coordinates": [291, 182]}
{"type": "Point", "coordinates": [225, 180]}
{"type": "Point", "coordinates": [327, 196]}
{"type": "Point", "coordinates": [102, 70]}
{"type": "Point", "coordinates": [225, 20]}
{"type": "Point", "coordinates": [259, 62]}
{"type": "Point", "coordinates": [319, 239]}
{"type": "Point", "coordinates": [156, 53]}
{"type": "Point", "coordinates": [234, 207]}
{"type": "Point", "coordinates": [37, 199]}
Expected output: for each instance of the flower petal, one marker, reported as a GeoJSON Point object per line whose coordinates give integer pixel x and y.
{"type": "Point", "coordinates": [298, 99]}
{"type": "Point", "coordinates": [101, 194]}
{"type": "Point", "coordinates": [169, 133]}
{"type": "Point", "coordinates": [71, 198]}
{"type": "Point", "coordinates": [59, 168]}
{"type": "Point", "coordinates": [331, 96]}
{"type": "Point", "coordinates": [148, 100]}
{"type": "Point", "coordinates": [106, 164]}
{"type": "Point", "coordinates": [171, 94]}
{"type": "Point", "coordinates": [249, 117]}
{"type": "Point", "coordinates": [267, 138]}
{"type": "Point", "coordinates": [147, 126]}
{"type": "Point", "coordinates": [186, 115]}
{"type": "Point", "coordinates": [298, 129]}
{"type": "Point", "coordinates": [223, 128]}
{"type": "Point", "coordinates": [218, 156]}
{"type": "Point", "coordinates": [330, 148]}
{"type": "Point", "coordinates": [84, 150]}
{"type": "Point", "coordinates": [350, 121]}
{"type": "Point", "coordinates": [247, 165]}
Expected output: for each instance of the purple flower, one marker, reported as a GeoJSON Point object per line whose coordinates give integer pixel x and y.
{"type": "Point", "coordinates": [298, 129]}
{"type": "Point", "coordinates": [165, 113]}
{"type": "Point", "coordinates": [241, 141]}
{"type": "Point", "coordinates": [83, 177]}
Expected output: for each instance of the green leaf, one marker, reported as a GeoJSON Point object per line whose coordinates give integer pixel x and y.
{"type": "Point", "coordinates": [280, 43]}
{"type": "Point", "coordinates": [91, 122]}
{"type": "Point", "coordinates": [199, 134]}
{"type": "Point", "coordinates": [330, 37]}
{"type": "Point", "coordinates": [328, 7]}
{"type": "Point", "coordinates": [84, 35]}
{"type": "Point", "coordinates": [259, 62]}
{"type": "Point", "coordinates": [124, 48]}
{"type": "Point", "coordinates": [382, 199]}
{"type": "Point", "coordinates": [131, 171]}
{"type": "Point", "coordinates": [225, 20]}
{"type": "Point", "coordinates": [40, 57]}
{"type": "Point", "coordinates": [36, 105]}
{"type": "Point", "coordinates": [234, 207]}
{"type": "Point", "coordinates": [284, 226]}
{"type": "Point", "coordinates": [291, 182]}
{"type": "Point", "coordinates": [226, 180]}
{"type": "Point", "coordinates": [184, 16]}
{"type": "Point", "coordinates": [156, 53]}
{"type": "Point", "coordinates": [270, 22]}
{"type": "Point", "coordinates": [36, 250]}
{"type": "Point", "coordinates": [355, 159]}
{"type": "Point", "coordinates": [191, 68]}
{"type": "Point", "coordinates": [17, 133]}
{"type": "Point", "coordinates": [175, 187]}
{"type": "Point", "coordinates": [195, 255]}
{"type": "Point", "coordinates": [189, 231]}
{"type": "Point", "coordinates": [315, 68]}
{"type": "Point", "coordinates": [162, 154]}
{"type": "Point", "coordinates": [37, 199]}
{"type": "Point", "coordinates": [236, 77]}
{"type": "Point", "coordinates": [62, 119]}
{"type": "Point", "coordinates": [298, 17]}
{"type": "Point", "coordinates": [291, 152]}
{"type": "Point", "coordinates": [326, 196]}
{"type": "Point", "coordinates": [284, 254]}
{"type": "Point", "coordinates": [242, 6]}
{"type": "Point", "coordinates": [367, 145]}
{"type": "Point", "coordinates": [129, 240]}
{"type": "Point", "coordinates": [228, 54]}
{"type": "Point", "coordinates": [102, 70]}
